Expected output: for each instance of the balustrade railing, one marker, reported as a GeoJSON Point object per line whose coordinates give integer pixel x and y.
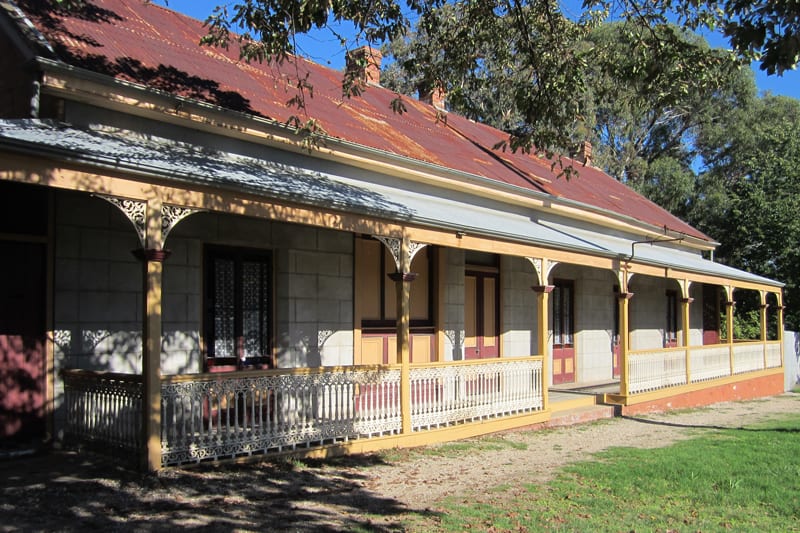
{"type": "Point", "coordinates": [710, 362]}
{"type": "Point", "coordinates": [774, 354]}
{"type": "Point", "coordinates": [650, 370]}
{"type": "Point", "coordinates": [748, 357]}
{"type": "Point", "coordinates": [104, 409]}
{"type": "Point", "coordinates": [226, 415]}
{"type": "Point", "coordinates": [452, 393]}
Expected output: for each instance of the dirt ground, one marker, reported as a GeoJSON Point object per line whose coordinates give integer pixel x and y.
{"type": "Point", "coordinates": [63, 491]}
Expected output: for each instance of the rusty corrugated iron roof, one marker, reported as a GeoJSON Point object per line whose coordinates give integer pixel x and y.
{"type": "Point", "coordinates": [145, 43]}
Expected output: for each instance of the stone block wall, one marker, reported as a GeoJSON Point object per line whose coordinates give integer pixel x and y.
{"type": "Point", "coordinates": [453, 281]}
{"type": "Point", "coordinates": [97, 287]}
{"type": "Point", "coordinates": [519, 327]}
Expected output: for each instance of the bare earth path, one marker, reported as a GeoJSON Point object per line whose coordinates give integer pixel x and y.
{"type": "Point", "coordinates": [67, 492]}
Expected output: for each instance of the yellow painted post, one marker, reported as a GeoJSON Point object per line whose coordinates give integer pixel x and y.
{"type": "Point", "coordinates": [542, 298]}
{"type": "Point", "coordinates": [779, 295]}
{"type": "Point", "coordinates": [403, 280]}
{"type": "Point", "coordinates": [624, 341]}
{"type": "Point", "coordinates": [763, 318]}
{"type": "Point", "coordinates": [152, 259]}
{"type": "Point", "coordinates": [729, 322]}
{"type": "Point", "coordinates": [685, 309]}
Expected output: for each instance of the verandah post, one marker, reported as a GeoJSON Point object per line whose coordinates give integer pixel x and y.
{"type": "Point", "coordinates": [542, 298]}
{"type": "Point", "coordinates": [624, 341]}
{"type": "Point", "coordinates": [403, 278]}
{"type": "Point", "coordinates": [686, 303]}
{"type": "Point", "coordinates": [730, 304]}
{"type": "Point", "coordinates": [152, 257]}
{"type": "Point", "coordinates": [763, 319]}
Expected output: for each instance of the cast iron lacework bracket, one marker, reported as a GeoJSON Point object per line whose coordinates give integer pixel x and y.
{"type": "Point", "coordinates": [134, 210]}
{"type": "Point", "coordinates": [171, 215]}
{"type": "Point", "coordinates": [538, 264]}
{"type": "Point", "coordinates": [395, 248]}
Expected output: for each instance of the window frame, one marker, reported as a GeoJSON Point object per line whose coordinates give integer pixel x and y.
{"type": "Point", "coordinates": [671, 328]}
{"type": "Point", "coordinates": [239, 255]}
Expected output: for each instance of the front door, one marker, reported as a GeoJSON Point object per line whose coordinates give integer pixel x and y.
{"type": "Point", "coordinates": [481, 339]}
{"type": "Point", "coordinates": [22, 341]}
{"type": "Point", "coordinates": [563, 333]}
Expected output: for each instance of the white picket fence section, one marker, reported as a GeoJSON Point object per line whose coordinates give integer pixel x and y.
{"type": "Point", "coordinates": [748, 357]}
{"type": "Point", "coordinates": [443, 394]}
{"type": "Point", "coordinates": [650, 370]}
{"type": "Point", "coordinates": [710, 362]}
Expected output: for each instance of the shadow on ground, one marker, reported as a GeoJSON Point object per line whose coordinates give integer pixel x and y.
{"type": "Point", "coordinates": [64, 491]}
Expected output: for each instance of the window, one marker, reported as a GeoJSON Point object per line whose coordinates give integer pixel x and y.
{"type": "Point", "coordinates": [238, 308]}
{"type": "Point", "coordinates": [562, 313]}
{"type": "Point", "coordinates": [671, 331]}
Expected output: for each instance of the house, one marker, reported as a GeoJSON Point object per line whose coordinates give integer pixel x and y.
{"type": "Point", "coordinates": [184, 278]}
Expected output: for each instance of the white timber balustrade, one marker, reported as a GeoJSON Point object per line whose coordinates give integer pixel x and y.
{"type": "Point", "coordinates": [748, 357]}
{"type": "Point", "coordinates": [451, 393]}
{"type": "Point", "coordinates": [773, 354]}
{"type": "Point", "coordinates": [710, 362]}
{"type": "Point", "coordinates": [650, 370]}
{"type": "Point", "coordinates": [104, 408]}
{"type": "Point", "coordinates": [211, 416]}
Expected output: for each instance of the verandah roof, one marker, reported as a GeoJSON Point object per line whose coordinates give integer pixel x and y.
{"type": "Point", "coordinates": [183, 162]}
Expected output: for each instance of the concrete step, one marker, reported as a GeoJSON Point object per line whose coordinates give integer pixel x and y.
{"type": "Point", "coordinates": [580, 415]}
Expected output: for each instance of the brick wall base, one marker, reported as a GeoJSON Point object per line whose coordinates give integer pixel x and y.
{"type": "Point", "coordinates": [743, 390]}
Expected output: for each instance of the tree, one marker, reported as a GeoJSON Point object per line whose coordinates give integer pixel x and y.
{"type": "Point", "coordinates": [764, 31]}
{"type": "Point", "coordinates": [652, 94]}
{"type": "Point", "coordinates": [547, 83]}
{"type": "Point", "coordinates": [750, 193]}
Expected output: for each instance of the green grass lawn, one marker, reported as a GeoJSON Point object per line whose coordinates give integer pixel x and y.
{"type": "Point", "coordinates": [727, 480]}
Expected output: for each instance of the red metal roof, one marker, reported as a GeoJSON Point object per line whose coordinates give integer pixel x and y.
{"type": "Point", "coordinates": [142, 42]}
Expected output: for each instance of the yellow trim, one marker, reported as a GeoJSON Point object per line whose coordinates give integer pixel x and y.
{"type": "Point", "coordinates": [417, 438]}
{"type": "Point", "coordinates": [126, 184]}
{"type": "Point", "coordinates": [660, 394]}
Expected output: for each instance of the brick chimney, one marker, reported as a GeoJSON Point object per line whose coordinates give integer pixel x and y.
{"type": "Point", "coordinates": [435, 97]}
{"type": "Point", "coordinates": [365, 63]}
{"type": "Point", "coordinates": [585, 153]}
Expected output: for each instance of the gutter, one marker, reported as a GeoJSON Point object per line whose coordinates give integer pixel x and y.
{"type": "Point", "coordinates": [151, 172]}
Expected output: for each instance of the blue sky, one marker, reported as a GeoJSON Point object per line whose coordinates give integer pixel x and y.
{"type": "Point", "coordinates": [324, 49]}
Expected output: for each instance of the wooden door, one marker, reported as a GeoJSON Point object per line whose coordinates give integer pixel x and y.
{"type": "Point", "coordinates": [711, 315]}
{"type": "Point", "coordinates": [563, 333]}
{"type": "Point", "coordinates": [481, 332]}
{"type": "Point", "coordinates": [22, 341]}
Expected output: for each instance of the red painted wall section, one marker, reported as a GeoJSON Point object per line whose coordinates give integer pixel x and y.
{"type": "Point", "coordinates": [744, 390]}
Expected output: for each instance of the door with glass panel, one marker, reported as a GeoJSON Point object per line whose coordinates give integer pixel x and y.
{"type": "Point", "coordinates": [563, 332]}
